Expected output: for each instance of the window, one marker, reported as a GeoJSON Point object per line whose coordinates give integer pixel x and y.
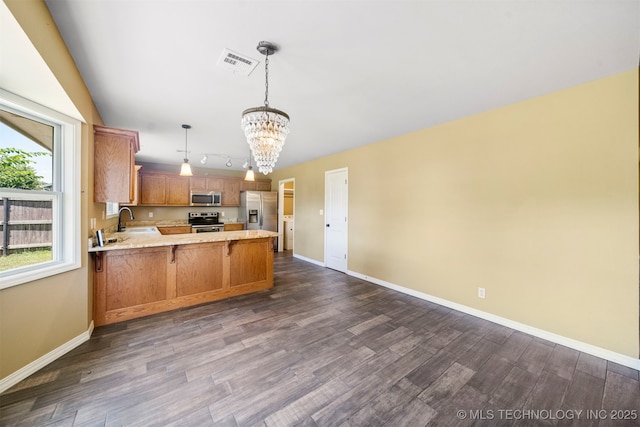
{"type": "Point", "coordinates": [39, 191]}
{"type": "Point", "coordinates": [112, 209]}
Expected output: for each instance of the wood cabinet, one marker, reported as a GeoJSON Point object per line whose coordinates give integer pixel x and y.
{"type": "Point", "coordinates": [114, 164]}
{"type": "Point", "coordinates": [174, 229]}
{"type": "Point", "coordinates": [259, 185]}
{"type": "Point", "coordinates": [132, 283]}
{"type": "Point", "coordinates": [263, 185]}
{"type": "Point", "coordinates": [231, 191]}
{"type": "Point", "coordinates": [136, 188]}
{"type": "Point", "coordinates": [209, 183]}
{"type": "Point", "coordinates": [152, 189]}
{"type": "Point", "coordinates": [234, 227]}
{"type": "Point", "coordinates": [130, 278]}
{"type": "Point", "coordinates": [163, 189]}
{"type": "Point", "coordinates": [178, 193]}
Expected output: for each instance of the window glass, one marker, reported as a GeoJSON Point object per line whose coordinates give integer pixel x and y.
{"type": "Point", "coordinates": [39, 191]}
{"type": "Point", "coordinates": [112, 209]}
{"type": "Point", "coordinates": [26, 163]}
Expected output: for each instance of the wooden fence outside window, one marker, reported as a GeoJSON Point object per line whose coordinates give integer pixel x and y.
{"type": "Point", "coordinates": [25, 225]}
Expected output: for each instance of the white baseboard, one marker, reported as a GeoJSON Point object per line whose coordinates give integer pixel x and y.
{"type": "Point", "coordinates": [33, 367]}
{"type": "Point", "coordinates": [549, 336]}
{"type": "Point", "coordinates": [311, 260]}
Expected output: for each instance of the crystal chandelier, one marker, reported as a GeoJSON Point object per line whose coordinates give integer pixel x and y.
{"type": "Point", "coordinates": [265, 128]}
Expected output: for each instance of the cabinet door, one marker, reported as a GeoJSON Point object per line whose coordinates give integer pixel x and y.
{"type": "Point", "coordinates": [177, 191]}
{"type": "Point", "coordinates": [114, 164]}
{"type": "Point", "coordinates": [198, 183]}
{"type": "Point", "coordinates": [233, 227]}
{"type": "Point", "coordinates": [263, 185]}
{"type": "Point", "coordinates": [206, 183]}
{"type": "Point", "coordinates": [199, 268]}
{"type": "Point", "coordinates": [247, 185]}
{"type": "Point", "coordinates": [152, 189]}
{"type": "Point", "coordinates": [214, 184]}
{"type": "Point", "coordinates": [231, 192]}
{"type": "Point", "coordinates": [136, 188]}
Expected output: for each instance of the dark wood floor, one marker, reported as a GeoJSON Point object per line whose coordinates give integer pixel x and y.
{"type": "Point", "coordinates": [321, 349]}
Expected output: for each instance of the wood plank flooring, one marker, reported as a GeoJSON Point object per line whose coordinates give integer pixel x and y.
{"type": "Point", "coordinates": [321, 349]}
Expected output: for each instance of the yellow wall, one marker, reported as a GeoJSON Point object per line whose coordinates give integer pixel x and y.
{"type": "Point", "coordinates": [537, 202]}
{"type": "Point", "coordinates": [40, 316]}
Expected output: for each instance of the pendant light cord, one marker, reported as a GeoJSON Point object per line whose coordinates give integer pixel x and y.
{"type": "Point", "coordinates": [266, 80]}
{"type": "Point", "coordinates": [186, 153]}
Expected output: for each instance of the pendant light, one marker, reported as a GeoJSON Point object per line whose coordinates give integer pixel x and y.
{"type": "Point", "coordinates": [265, 128]}
{"type": "Point", "coordinates": [249, 176]}
{"type": "Point", "coordinates": [185, 170]}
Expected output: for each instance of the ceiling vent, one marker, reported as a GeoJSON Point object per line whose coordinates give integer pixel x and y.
{"type": "Point", "coordinates": [236, 62]}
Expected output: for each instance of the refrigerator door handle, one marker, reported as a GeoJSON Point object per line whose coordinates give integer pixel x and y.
{"type": "Point", "coordinates": [261, 211]}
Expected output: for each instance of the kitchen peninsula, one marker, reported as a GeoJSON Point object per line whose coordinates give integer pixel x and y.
{"type": "Point", "coordinates": [144, 272]}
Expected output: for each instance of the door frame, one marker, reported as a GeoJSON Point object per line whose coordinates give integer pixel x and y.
{"type": "Point", "coordinates": [281, 210]}
{"type": "Point", "coordinates": [324, 217]}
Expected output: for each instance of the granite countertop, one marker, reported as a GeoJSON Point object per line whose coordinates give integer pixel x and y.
{"type": "Point", "coordinates": [148, 239]}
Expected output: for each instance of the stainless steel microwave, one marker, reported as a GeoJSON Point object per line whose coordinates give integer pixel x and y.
{"type": "Point", "coordinates": [206, 198]}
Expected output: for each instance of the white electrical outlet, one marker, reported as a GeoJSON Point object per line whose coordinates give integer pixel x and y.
{"type": "Point", "coordinates": [93, 223]}
{"type": "Point", "coordinates": [321, 212]}
{"type": "Point", "coordinates": [222, 214]}
{"type": "Point", "coordinates": [150, 214]}
{"type": "Point", "coordinates": [481, 293]}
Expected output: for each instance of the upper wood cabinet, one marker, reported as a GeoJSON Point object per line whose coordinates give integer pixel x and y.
{"type": "Point", "coordinates": [259, 185]}
{"type": "Point", "coordinates": [178, 190]}
{"type": "Point", "coordinates": [136, 188]}
{"type": "Point", "coordinates": [114, 164]}
{"type": "Point", "coordinates": [153, 189]}
{"type": "Point", "coordinates": [163, 189]}
{"type": "Point", "coordinates": [209, 183]}
{"type": "Point", "coordinates": [231, 191]}
{"type": "Point", "coordinates": [263, 185]}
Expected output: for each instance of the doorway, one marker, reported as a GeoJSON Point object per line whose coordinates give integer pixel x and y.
{"type": "Point", "coordinates": [286, 213]}
{"type": "Point", "coordinates": [336, 203]}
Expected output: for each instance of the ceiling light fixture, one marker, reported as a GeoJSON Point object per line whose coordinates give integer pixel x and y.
{"type": "Point", "coordinates": [185, 170]}
{"type": "Point", "coordinates": [204, 159]}
{"type": "Point", "coordinates": [228, 164]}
{"type": "Point", "coordinates": [249, 176]}
{"type": "Point", "coordinates": [265, 128]}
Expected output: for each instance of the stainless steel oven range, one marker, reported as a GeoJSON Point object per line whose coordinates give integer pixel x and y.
{"type": "Point", "coordinates": [205, 222]}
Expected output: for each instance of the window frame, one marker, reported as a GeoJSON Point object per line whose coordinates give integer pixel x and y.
{"type": "Point", "coordinates": [112, 209]}
{"type": "Point", "coordinates": [65, 194]}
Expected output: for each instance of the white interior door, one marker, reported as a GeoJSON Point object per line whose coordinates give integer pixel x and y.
{"type": "Point", "coordinates": [336, 203]}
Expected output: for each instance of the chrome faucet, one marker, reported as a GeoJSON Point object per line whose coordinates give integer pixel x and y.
{"type": "Point", "coordinates": [120, 226]}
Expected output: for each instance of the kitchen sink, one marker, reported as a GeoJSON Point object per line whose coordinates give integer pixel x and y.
{"type": "Point", "coordinates": [141, 230]}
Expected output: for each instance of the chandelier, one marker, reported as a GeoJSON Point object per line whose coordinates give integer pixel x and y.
{"type": "Point", "coordinates": [265, 128]}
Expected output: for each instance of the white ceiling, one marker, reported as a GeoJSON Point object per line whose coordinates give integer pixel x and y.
{"type": "Point", "coordinates": [348, 73]}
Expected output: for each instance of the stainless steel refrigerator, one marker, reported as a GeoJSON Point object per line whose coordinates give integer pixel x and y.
{"type": "Point", "coordinates": [259, 210]}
